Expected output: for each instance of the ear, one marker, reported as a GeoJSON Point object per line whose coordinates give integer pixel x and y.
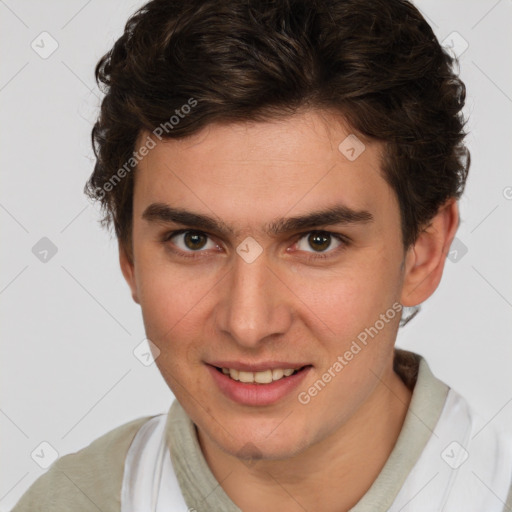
{"type": "Point", "coordinates": [425, 259]}
{"type": "Point", "coordinates": [128, 270]}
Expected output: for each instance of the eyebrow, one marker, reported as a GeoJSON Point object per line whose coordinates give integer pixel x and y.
{"type": "Point", "coordinates": [334, 215]}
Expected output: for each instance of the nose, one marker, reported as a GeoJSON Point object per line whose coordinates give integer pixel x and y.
{"type": "Point", "coordinates": [254, 307]}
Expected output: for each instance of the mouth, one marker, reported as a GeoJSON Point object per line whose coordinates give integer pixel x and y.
{"type": "Point", "coordinates": [258, 388]}
{"type": "Point", "coordinates": [261, 377]}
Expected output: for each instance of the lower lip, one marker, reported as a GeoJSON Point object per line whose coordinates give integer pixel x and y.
{"type": "Point", "coordinates": [257, 394]}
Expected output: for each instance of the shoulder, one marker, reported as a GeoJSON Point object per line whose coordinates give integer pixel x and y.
{"type": "Point", "coordinates": [479, 452]}
{"type": "Point", "coordinates": [89, 479]}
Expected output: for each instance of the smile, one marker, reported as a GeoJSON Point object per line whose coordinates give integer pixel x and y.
{"type": "Point", "coordinates": [263, 377]}
{"type": "Point", "coordinates": [257, 388]}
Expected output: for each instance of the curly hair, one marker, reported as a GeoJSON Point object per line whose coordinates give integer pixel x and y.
{"type": "Point", "coordinates": [376, 63]}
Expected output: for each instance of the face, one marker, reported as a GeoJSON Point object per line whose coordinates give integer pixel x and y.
{"type": "Point", "coordinates": [226, 279]}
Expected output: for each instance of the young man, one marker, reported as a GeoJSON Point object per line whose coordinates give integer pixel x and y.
{"type": "Point", "coordinates": [283, 180]}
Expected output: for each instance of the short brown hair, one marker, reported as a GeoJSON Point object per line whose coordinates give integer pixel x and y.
{"type": "Point", "coordinates": [377, 63]}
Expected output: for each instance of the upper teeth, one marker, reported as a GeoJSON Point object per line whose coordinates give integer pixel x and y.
{"type": "Point", "coordinates": [264, 377]}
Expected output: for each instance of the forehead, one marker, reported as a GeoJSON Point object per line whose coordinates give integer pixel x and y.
{"type": "Point", "coordinates": [254, 170]}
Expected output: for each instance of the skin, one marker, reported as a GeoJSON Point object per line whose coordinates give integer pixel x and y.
{"type": "Point", "coordinates": [322, 456]}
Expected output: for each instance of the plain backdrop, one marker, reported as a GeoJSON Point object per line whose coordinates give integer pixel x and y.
{"type": "Point", "coordinates": [69, 326]}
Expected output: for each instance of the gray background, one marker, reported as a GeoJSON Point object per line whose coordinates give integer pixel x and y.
{"type": "Point", "coordinates": [69, 326]}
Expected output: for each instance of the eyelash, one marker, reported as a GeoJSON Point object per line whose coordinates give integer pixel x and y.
{"type": "Point", "coordinates": [345, 242]}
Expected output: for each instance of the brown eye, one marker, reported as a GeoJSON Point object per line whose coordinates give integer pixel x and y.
{"type": "Point", "coordinates": [319, 241]}
{"type": "Point", "coordinates": [190, 241]}
{"type": "Point", "coordinates": [321, 244]}
{"type": "Point", "coordinates": [194, 240]}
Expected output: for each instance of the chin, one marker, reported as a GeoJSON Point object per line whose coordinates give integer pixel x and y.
{"type": "Point", "coordinates": [252, 447]}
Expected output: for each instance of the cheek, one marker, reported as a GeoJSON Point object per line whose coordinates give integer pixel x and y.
{"type": "Point", "coordinates": [171, 301]}
{"type": "Point", "coordinates": [172, 315]}
{"type": "Point", "coordinates": [345, 302]}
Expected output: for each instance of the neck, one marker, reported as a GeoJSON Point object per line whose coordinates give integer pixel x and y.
{"type": "Point", "coordinates": [330, 476]}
